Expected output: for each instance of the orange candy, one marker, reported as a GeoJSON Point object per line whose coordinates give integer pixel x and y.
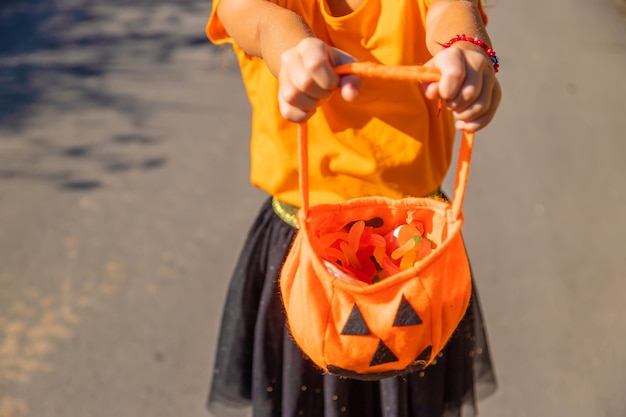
{"type": "Point", "coordinates": [363, 254]}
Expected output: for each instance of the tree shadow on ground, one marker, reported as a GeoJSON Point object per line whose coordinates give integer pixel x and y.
{"type": "Point", "coordinates": [56, 57]}
{"type": "Point", "coordinates": [47, 46]}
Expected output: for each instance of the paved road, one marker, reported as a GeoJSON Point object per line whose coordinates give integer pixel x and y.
{"type": "Point", "coordinates": [124, 200]}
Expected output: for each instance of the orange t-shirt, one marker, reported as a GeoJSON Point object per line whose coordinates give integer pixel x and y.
{"type": "Point", "coordinates": [389, 142]}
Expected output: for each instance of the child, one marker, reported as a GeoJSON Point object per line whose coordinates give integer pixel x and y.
{"type": "Point", "coordinates": [366, 137]}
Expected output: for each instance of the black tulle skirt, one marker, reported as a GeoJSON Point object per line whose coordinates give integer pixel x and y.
{"type": "Point", "coordinates": [259, 369]}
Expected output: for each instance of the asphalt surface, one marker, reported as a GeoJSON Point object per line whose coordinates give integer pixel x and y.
{"type": "Point", "coordinates": [124, 201]}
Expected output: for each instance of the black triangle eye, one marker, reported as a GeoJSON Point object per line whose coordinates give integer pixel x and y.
{"type": "Point", "coordinates": [425, 355]}
{"type": "Point", "coordinates": [406, 315]}
{"type": "Point", "coordinates": [383, 355]}
{"type": "Point", "coordinates": [355, 324]}
{"type": "Point", "coordinates": [423, 358]}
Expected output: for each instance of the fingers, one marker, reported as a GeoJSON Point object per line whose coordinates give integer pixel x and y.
{"type": "Point", "coordinates": [468, 86]}
{"type": "Point", "coordinates": [298, 95]}
{"type": "Point", "coordinates": [452, 64]}
{"type": "Point", "coordinates": [481, 112]}
{"type": "Point", "coordinates": [350, 86]}
{"type": "Point", "coordinates": [307, 78]}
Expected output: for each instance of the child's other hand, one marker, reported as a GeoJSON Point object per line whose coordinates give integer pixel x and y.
{"type": "Point", "coordinates": [468, 86]}
{"type": "Point", "coordinates": [307, 78]}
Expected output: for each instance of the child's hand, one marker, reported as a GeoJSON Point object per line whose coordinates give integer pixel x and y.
{"type": "Point", "coordinates": [468, 85]}
{"type": "Point", "coordinates": [307, 78]}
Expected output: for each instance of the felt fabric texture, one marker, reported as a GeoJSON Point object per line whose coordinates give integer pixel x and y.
{"type": "Point", "coordinates": [433, 295]}
{"type": "Point", "coordinates": [260, 371]}
{"type": "Point", "coordinates": [437, 289]}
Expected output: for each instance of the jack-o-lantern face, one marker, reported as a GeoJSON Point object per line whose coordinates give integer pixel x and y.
{"type": "Point", "coordinates": [356, 326]}
{"type": "Point", "coordinates": [388, 327]}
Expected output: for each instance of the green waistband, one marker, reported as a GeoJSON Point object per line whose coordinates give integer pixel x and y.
{"type": "Point", "coordinates": [286, 212]}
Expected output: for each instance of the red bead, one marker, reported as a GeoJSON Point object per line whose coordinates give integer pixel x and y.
{"type": "Point", "coordinates": [489, 51]}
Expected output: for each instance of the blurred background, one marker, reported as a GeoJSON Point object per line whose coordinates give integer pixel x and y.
{"type": "Point", "coordinates": [124, 200]}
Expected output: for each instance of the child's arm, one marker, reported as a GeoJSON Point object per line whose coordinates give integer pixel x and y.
{"type": "Point", "coordinates": [262, 28]}
{"type": "Point", "coordinates": [302, 63]}
{"type": "Point", "coordinates": [468, 82]}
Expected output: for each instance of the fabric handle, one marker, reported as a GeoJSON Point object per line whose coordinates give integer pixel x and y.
{"type": "Point", "coordinates": [406, 73]}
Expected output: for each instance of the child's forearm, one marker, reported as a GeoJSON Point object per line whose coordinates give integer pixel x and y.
{"type": "Point", "coordinates": [448, 18]}
{"type": "Point", "coordinates": [468, 83]}
{"type": "Point", "coordinates": [262, 28]}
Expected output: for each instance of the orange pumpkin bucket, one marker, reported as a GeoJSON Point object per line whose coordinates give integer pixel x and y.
{"type": "Point", "coordinates": [374, 287]}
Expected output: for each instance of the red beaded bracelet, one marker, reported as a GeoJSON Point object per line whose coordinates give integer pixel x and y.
{"type": "Point", "coordinates": [476, 41]}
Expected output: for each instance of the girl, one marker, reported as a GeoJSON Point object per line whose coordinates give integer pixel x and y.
{"type": "Point", "coordinates": [366, 137]}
